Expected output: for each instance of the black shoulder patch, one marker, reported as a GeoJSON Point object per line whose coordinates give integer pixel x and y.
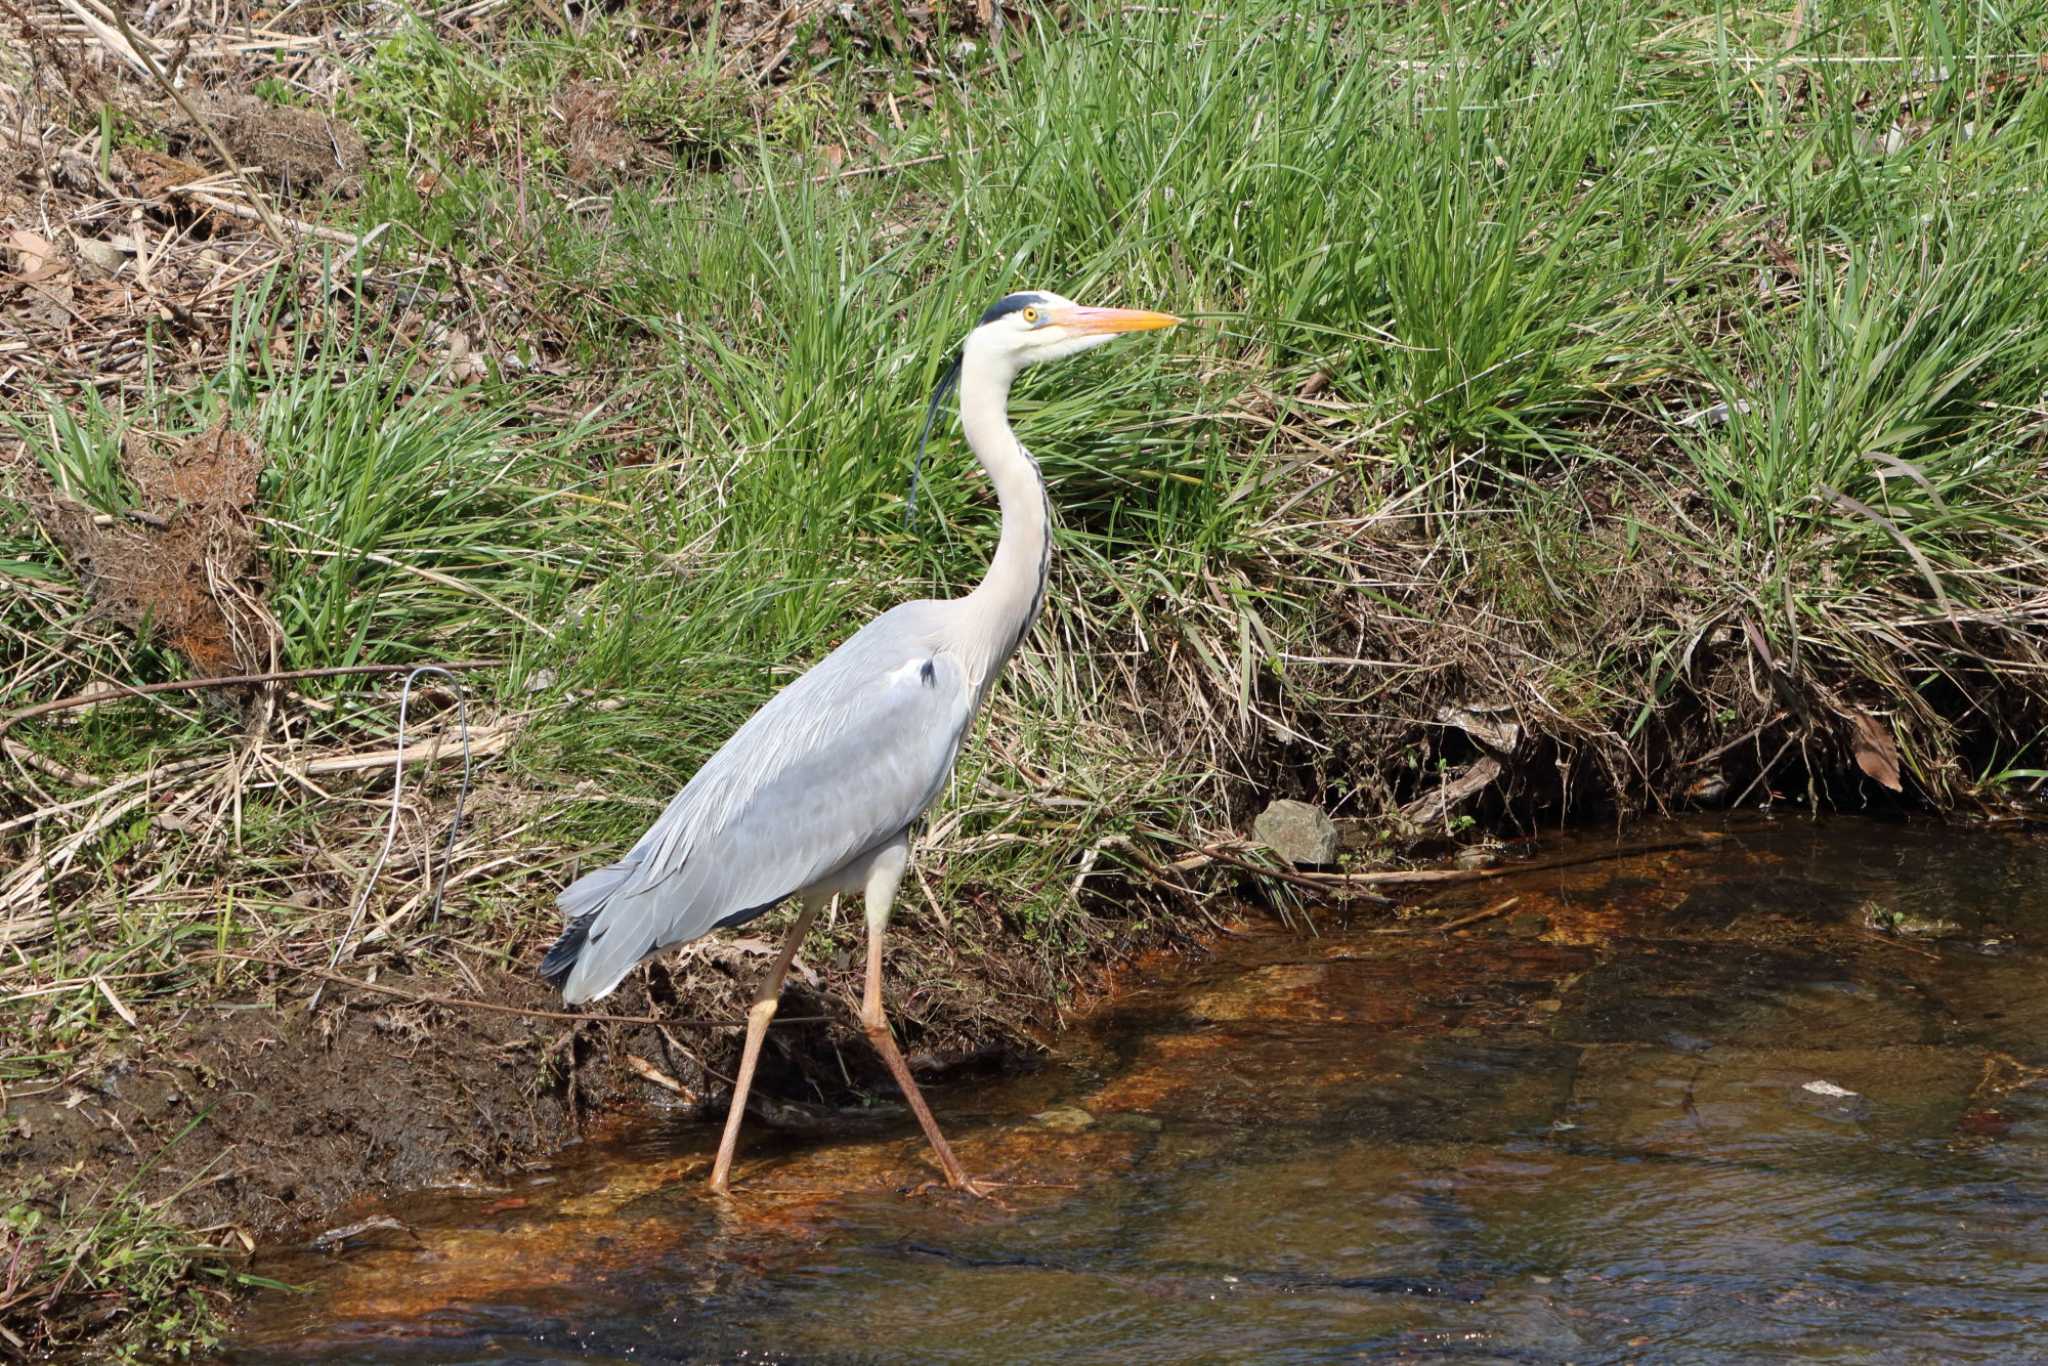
{"type": "Point", "coordinates": [1008, 304]}
{"type": "Point", "coordinates": [929, 675]}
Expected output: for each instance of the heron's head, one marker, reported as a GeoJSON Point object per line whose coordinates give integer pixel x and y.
{"type": "Point", "coordinates": [1037, 325]}
{"type": "Point", "coordinates": [1023, 329]}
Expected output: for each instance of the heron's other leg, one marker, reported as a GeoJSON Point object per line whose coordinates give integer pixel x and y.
{"type": "Point", "coordinates": [766, 998]}
{"type": "Point", "coordinates": [883, 876]}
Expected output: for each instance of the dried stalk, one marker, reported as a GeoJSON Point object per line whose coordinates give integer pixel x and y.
{"type": "Point", "coordinates": [118, 690]}
{"type": "Point", "coordinates": [256, 195]}
{"type": "Point", "coordinates": [497, 1007]}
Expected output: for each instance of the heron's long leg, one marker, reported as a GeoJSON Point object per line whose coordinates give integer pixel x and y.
{"type": "Point", "coordinates": [881, 892]}
{"type": "Point", "coordinates": [766, 998]}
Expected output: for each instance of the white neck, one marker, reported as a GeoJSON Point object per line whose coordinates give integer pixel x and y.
{"type": "Point", "coordinates": [1001, 607]}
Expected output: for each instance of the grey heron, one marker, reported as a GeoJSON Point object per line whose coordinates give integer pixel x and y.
{"type": "Point", "coordinates": [817, 793]}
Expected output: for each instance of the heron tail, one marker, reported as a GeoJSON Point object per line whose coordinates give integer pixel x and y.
{"type": "Point", "coordinates": [621, 915]}
{"type": "Point", "coordinates": [561, 959]}
{"type": "Point", "coordinates": [581, 903]}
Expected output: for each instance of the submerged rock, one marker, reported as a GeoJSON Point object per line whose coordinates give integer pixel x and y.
{"type": "Point", "coordinates": [1905, 924]}
{"type": "Point", "coordinates": [1298, 832]}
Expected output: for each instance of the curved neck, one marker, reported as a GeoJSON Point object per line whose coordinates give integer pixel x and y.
{"type": "Point", "coordinates": [1009, 594]}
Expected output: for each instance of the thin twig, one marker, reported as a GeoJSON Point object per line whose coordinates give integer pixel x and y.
{"type": "Point", "coordinates": [1337, 882]}
{"type": "Point", "coordinates": [430, 999]}
{"type": "Point", "coordinates": [1876, 938]}
{"type": "Point", "coordinates": [121, 47]}
{"type": "Point", "coordinates": [22, 754]}
{"type": "Point", "coordinates": [1174, 885]}
{"type": "Point", "coordinates": [830, 176]}
{"type": "Point", "coordinates": [117, 690]}
{"type": "Point", "coordinates": [1473, 919]}
{"type": "Point", "coordinates": [234, 210]}
{"type": "Point", "coordinates": [484, 742]}
{"type": "Point", "coordinates": [391, 828]}
{"type": "Point", "coordinates": [1429, 875]}
{"type": "Point", "coordinates": [649, 1072]}
{"type": "Point", "coordinates": [1314, 882]}
{"type": "Point", "coordinates": [825, 178]}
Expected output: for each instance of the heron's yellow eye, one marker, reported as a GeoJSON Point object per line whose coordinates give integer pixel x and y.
{"type": "Point", "coordinates": [1031, 316]}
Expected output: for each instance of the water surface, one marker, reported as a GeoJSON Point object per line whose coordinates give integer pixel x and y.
{"type": "Point", "coordinates": [1784, 1093]}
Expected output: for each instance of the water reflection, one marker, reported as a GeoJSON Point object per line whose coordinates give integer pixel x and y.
{"type": "Point", "coordinates": [1693, 1105]}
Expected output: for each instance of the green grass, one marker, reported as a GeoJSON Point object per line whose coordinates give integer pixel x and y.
{"type": "Point", "coordinates": [1499, 238]}
{"type": "Point", "coordinates": [1467, 284]}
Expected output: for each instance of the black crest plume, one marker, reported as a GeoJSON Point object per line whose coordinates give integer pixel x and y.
{"type": "Point", "coordinates": [948, 382]}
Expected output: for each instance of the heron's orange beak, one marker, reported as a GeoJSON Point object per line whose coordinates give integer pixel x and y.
{"type": "Point", "coordinates": [1089, 321]}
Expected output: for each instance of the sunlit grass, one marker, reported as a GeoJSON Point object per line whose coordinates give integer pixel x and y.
{"type": "Point", "coordinates": [1492, 237]}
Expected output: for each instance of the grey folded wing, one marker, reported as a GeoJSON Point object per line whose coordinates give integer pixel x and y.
{"type": "Point", "coordinates": [834, 766]}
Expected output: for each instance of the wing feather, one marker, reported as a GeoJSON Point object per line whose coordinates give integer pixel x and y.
{"type": "Point", "coordinates": [835, 765]}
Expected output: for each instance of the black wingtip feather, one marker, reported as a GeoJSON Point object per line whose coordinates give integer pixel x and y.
{"type": "Point", "coordinates": [555, 968]}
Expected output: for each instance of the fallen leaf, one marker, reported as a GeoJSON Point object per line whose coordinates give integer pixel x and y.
{"type": "Point", "coordinates": [46, 276]}
{"type": "Point", "coordinates": [39, 255]}
{"type": "Point", "coordinates": [1876, 754]}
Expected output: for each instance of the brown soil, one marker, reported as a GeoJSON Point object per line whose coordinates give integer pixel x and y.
{"type": "Point", "coordinates": [294, 1112]}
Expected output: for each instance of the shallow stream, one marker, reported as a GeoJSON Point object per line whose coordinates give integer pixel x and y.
{"type": "Point", "coordinates": [1782, 1091]}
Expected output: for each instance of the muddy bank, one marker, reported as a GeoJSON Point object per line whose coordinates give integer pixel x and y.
{"type": "Point", "coordinates": [275, 1116]}
{"type": "Point", "coordinates": [258, 1119]}
{"type": "Point", "coordinates": [261, 1118]}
